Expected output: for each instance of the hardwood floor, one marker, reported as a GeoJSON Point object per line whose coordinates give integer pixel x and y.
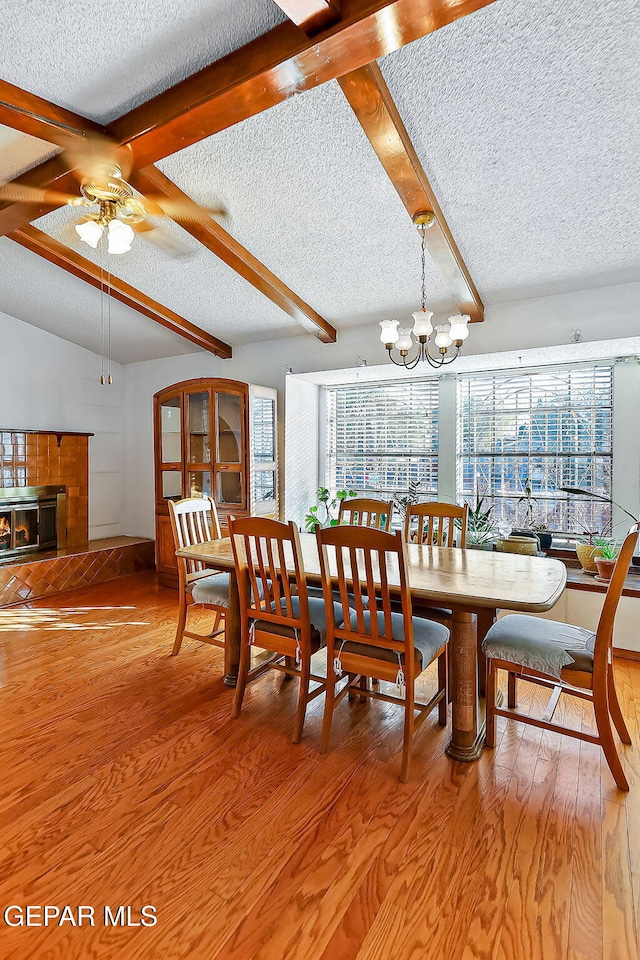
{"type": "Point", "coordinates": [124, 781]}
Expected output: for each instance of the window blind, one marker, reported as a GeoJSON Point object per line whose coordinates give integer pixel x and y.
{"type": "Point", "coordinates": [382, 438]}
{"type": "Point", "coordinates": [543, 430]}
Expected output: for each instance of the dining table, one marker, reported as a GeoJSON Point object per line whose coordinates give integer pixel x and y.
{"type": "Point", "coordinates": [473, 584]}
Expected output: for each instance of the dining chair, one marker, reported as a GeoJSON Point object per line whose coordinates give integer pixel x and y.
{"type": "Point", "coordinates": [195, 520]}
{"type": "Point", "coordinates": [276, 613]}
{"type": "Point", "coordinates": [436, 524]}
{"type": "Point", "coordinates": [374, 641]}
{"type": "Point", "coordinates": [365, 512]}
{"type": "Point", "coordinates": [568, 659]}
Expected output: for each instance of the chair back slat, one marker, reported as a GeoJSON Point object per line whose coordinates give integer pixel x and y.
{"type": "Point", "coordinates": [604, 632]}
{"type": "Point", "coordinates": [366, 512]}
{"type": "Point", "coordinates": [436, 524]}
{"type": "Point", "coordinates": [193, 520]}
{"type": "Point", "coordinates": [270, 572]}
{"type": "Point", "coordinates": [364, 562]}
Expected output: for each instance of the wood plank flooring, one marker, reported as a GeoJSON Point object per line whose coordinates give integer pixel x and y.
{"type": "Point", "coordinates": [124, 782]}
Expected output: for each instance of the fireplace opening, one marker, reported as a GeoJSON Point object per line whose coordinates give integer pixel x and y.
{"type": "Point", "coordinates": [31, 519]}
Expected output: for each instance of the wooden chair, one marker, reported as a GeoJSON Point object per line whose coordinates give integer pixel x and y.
{"type": "Point", "coordinates": [363, 512]}
{"type": "Point", "coordinates": [276, 613]}
{"type": "Point", "coordinates": [568, 659]}
{"type": "Point", "coordinates": [195, 520]}
{"type": "Point", "coordinates": [374, 641]}
{"type": "Point", "coordinates": [437, 524]}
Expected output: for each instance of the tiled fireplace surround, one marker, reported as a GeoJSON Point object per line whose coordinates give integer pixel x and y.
{"type": "Point", "coordinates": [34, 458]}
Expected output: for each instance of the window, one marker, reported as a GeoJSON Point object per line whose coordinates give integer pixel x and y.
{"type": "Point", "coordinates": [544, 430]}
{"type": "Point", "coordinates": [382, 438]}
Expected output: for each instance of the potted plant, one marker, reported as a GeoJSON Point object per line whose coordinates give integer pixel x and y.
{"type": "Point", "coordinates": [587, 552]}
{"type": "Point", "coordinates": [481, 527]}
{"type": "Point", "coordinates": [607, 556]}
{"type": "Point", "coordinates": [322, 513]}
{"type": "Point", "coordinates": [532, 528]}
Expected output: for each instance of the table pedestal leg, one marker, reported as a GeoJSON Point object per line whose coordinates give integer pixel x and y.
{"type": "Point", "coordinates": [232, 635]}
{"type": "Point", "coordinates": [467, 735]}
{"type": "Point", "coordinates": [485, 620]}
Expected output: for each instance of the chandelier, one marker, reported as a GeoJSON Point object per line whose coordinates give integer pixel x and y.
{"type": "Point", "coordinates": [448, 338]}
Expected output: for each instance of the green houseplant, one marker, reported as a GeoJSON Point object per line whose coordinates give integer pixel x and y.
{"type": "Point", "coordinates": [588, 552]}
{"type": "Point", "coordinates": [481, 526]}
{"type": "Point", "coordinates": [606, 557]}
{"type": "Point", "coordinates": [321, 514]}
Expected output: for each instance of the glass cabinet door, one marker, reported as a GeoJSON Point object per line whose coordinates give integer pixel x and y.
{"type": "Point", "coordinates": [172, 484]}
{"type": "Point", "coordinates": [199, 483]}
{"type": "Point", "coordinates": [198, 442]}
{"type": "Point", "coordinates": [230, 487]}
{"type": "Point", "coordinates": [170, 430]}
{"type": "Point", "coordinates": [229, 428]}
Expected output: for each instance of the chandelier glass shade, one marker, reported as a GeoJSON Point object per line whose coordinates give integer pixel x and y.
{"type": "Point", "coordinates": [447, 337]}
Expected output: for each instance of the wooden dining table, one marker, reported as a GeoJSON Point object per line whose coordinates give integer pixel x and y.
{"type": "Point", "coordinates": [473, 584]}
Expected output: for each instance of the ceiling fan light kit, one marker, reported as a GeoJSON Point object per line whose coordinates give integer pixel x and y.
{"type": "Point", "coordinates": [447, 335]}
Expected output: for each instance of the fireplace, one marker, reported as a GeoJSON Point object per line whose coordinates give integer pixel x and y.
{"type": "Point", "coordinates": [31, 519]}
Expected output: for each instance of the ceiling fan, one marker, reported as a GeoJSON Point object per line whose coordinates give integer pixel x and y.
{"type": "Point", "coordinates": [118, 213]}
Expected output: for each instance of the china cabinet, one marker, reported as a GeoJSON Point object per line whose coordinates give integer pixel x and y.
{"type": "Point", "coordinates": [218, 438]}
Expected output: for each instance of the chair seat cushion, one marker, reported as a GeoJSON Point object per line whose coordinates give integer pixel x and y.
{"type": "Point", "coordinates": [316, 615]}
{"type": "Point", "coordinates": [428, 637]}
{"type": "Point", "coordinates": [543, 645]}
{"type": "Point", "coordinates": [212, 589]}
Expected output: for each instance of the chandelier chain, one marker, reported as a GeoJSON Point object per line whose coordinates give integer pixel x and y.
{"type": "Point", "coordinates": [423, 229]}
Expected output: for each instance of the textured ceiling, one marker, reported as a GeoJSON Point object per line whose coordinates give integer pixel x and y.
{"type": "Point", "coordinates": [34, 290]}
{"type": "Point", "coordinates": [524, 115]}
{"type": "Point", "coordinates": [19, 152]}
{"type": "Point", "coordinates": [102, 59]}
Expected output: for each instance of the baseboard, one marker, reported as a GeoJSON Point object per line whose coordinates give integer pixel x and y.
{"type": "Point", "coordinates": [626, 654]}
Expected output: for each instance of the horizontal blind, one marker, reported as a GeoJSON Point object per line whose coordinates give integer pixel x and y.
{"type": "Point", "coordinates": [382, 438]}
{"type": "Point", "coordinates": [545, 429]}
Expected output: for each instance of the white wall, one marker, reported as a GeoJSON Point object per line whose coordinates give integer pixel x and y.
{"type": "Point", "coordinates": [49, 384]}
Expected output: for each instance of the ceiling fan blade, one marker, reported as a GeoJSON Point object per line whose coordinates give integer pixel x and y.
{"type": "Point", "coordinates": [95, 156]}
{"type": "Point", "coordinates": [16, 192]}
{"type": "Point", "coordinates": [159, 205]}
{"type": "Point", "coordinates": [161, 238]}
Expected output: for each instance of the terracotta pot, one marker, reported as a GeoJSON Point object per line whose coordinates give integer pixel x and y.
{"type": "Point", "coordinates": [586, 553]}
{"type": "Point", "coordinates": [605, 567]}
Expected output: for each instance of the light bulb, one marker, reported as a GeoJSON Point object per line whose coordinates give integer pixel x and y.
{"type": "Point", "coordinates": [422, 323]}
{"type": "Point", "coordinates": [458, 329]}
{"type": "Point", "coordinates": [389, 333]}
{"type": "Point", "coordinates": [442, 336]}
{"type": "Point", "coordinates": [120, 237]}
{"type": "Point", "coordinates": [404, 340]}
{"type": "Point", "coordinates": [89, 232]}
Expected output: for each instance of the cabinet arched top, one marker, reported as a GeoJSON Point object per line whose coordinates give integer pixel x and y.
{"type": "Point", "coordinates": [202, 383]}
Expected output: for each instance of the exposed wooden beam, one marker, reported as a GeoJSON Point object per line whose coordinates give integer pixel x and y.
{"type": "Point", "coordinates": [66, 258]}
{"type": "Point", "coordinates": [227, 248]}
{"type": "Point", "coordinates": [373, 105]}
{"type": "Point", "coordinates": [276, 66]}
{"type": "Point", "coordinates": [27, 113]}
{"type": "Point", "coordinates": [312, 16]}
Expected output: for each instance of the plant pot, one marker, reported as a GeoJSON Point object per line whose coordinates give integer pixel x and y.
{"type": "Point", "coordinates": [545, 540]}
{"type": "Point", "coordinates": [605, 567]}
{"type": "Point", "coordinates": [480, 546]}
{"type": "Point", "coordinates": [586, 553]}
{"type": "Point", "coordinates": [525, 546]}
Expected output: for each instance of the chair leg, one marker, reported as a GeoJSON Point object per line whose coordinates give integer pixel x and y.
{"type": "Point", "coordinates": [364, 685]}
{"type": "Point", "coordinates": [182, 622]}
{"type": "Point", "coordinates": [603, 723]}
{"type": "Point", "coordinates": [303, 699]}
{"type": "Point", "coordinates": [409, 721]}
{"type": "Point", "coordinates": [352, 693]}
{"type": "Point", "coordinates": [442, 686]}
{"type": "Point", "coordinates": [491, 704]}
{"type": "Point", "coordinates": [329, 704]}
{"type": "Point", "coordinates": [216, 623]}
{"type": "Point", "coordinates": [243, 673]}
{"type": "Point", "coordinates": [512, 697]}
{"type": "Point", "coordinates": [614, 707]}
